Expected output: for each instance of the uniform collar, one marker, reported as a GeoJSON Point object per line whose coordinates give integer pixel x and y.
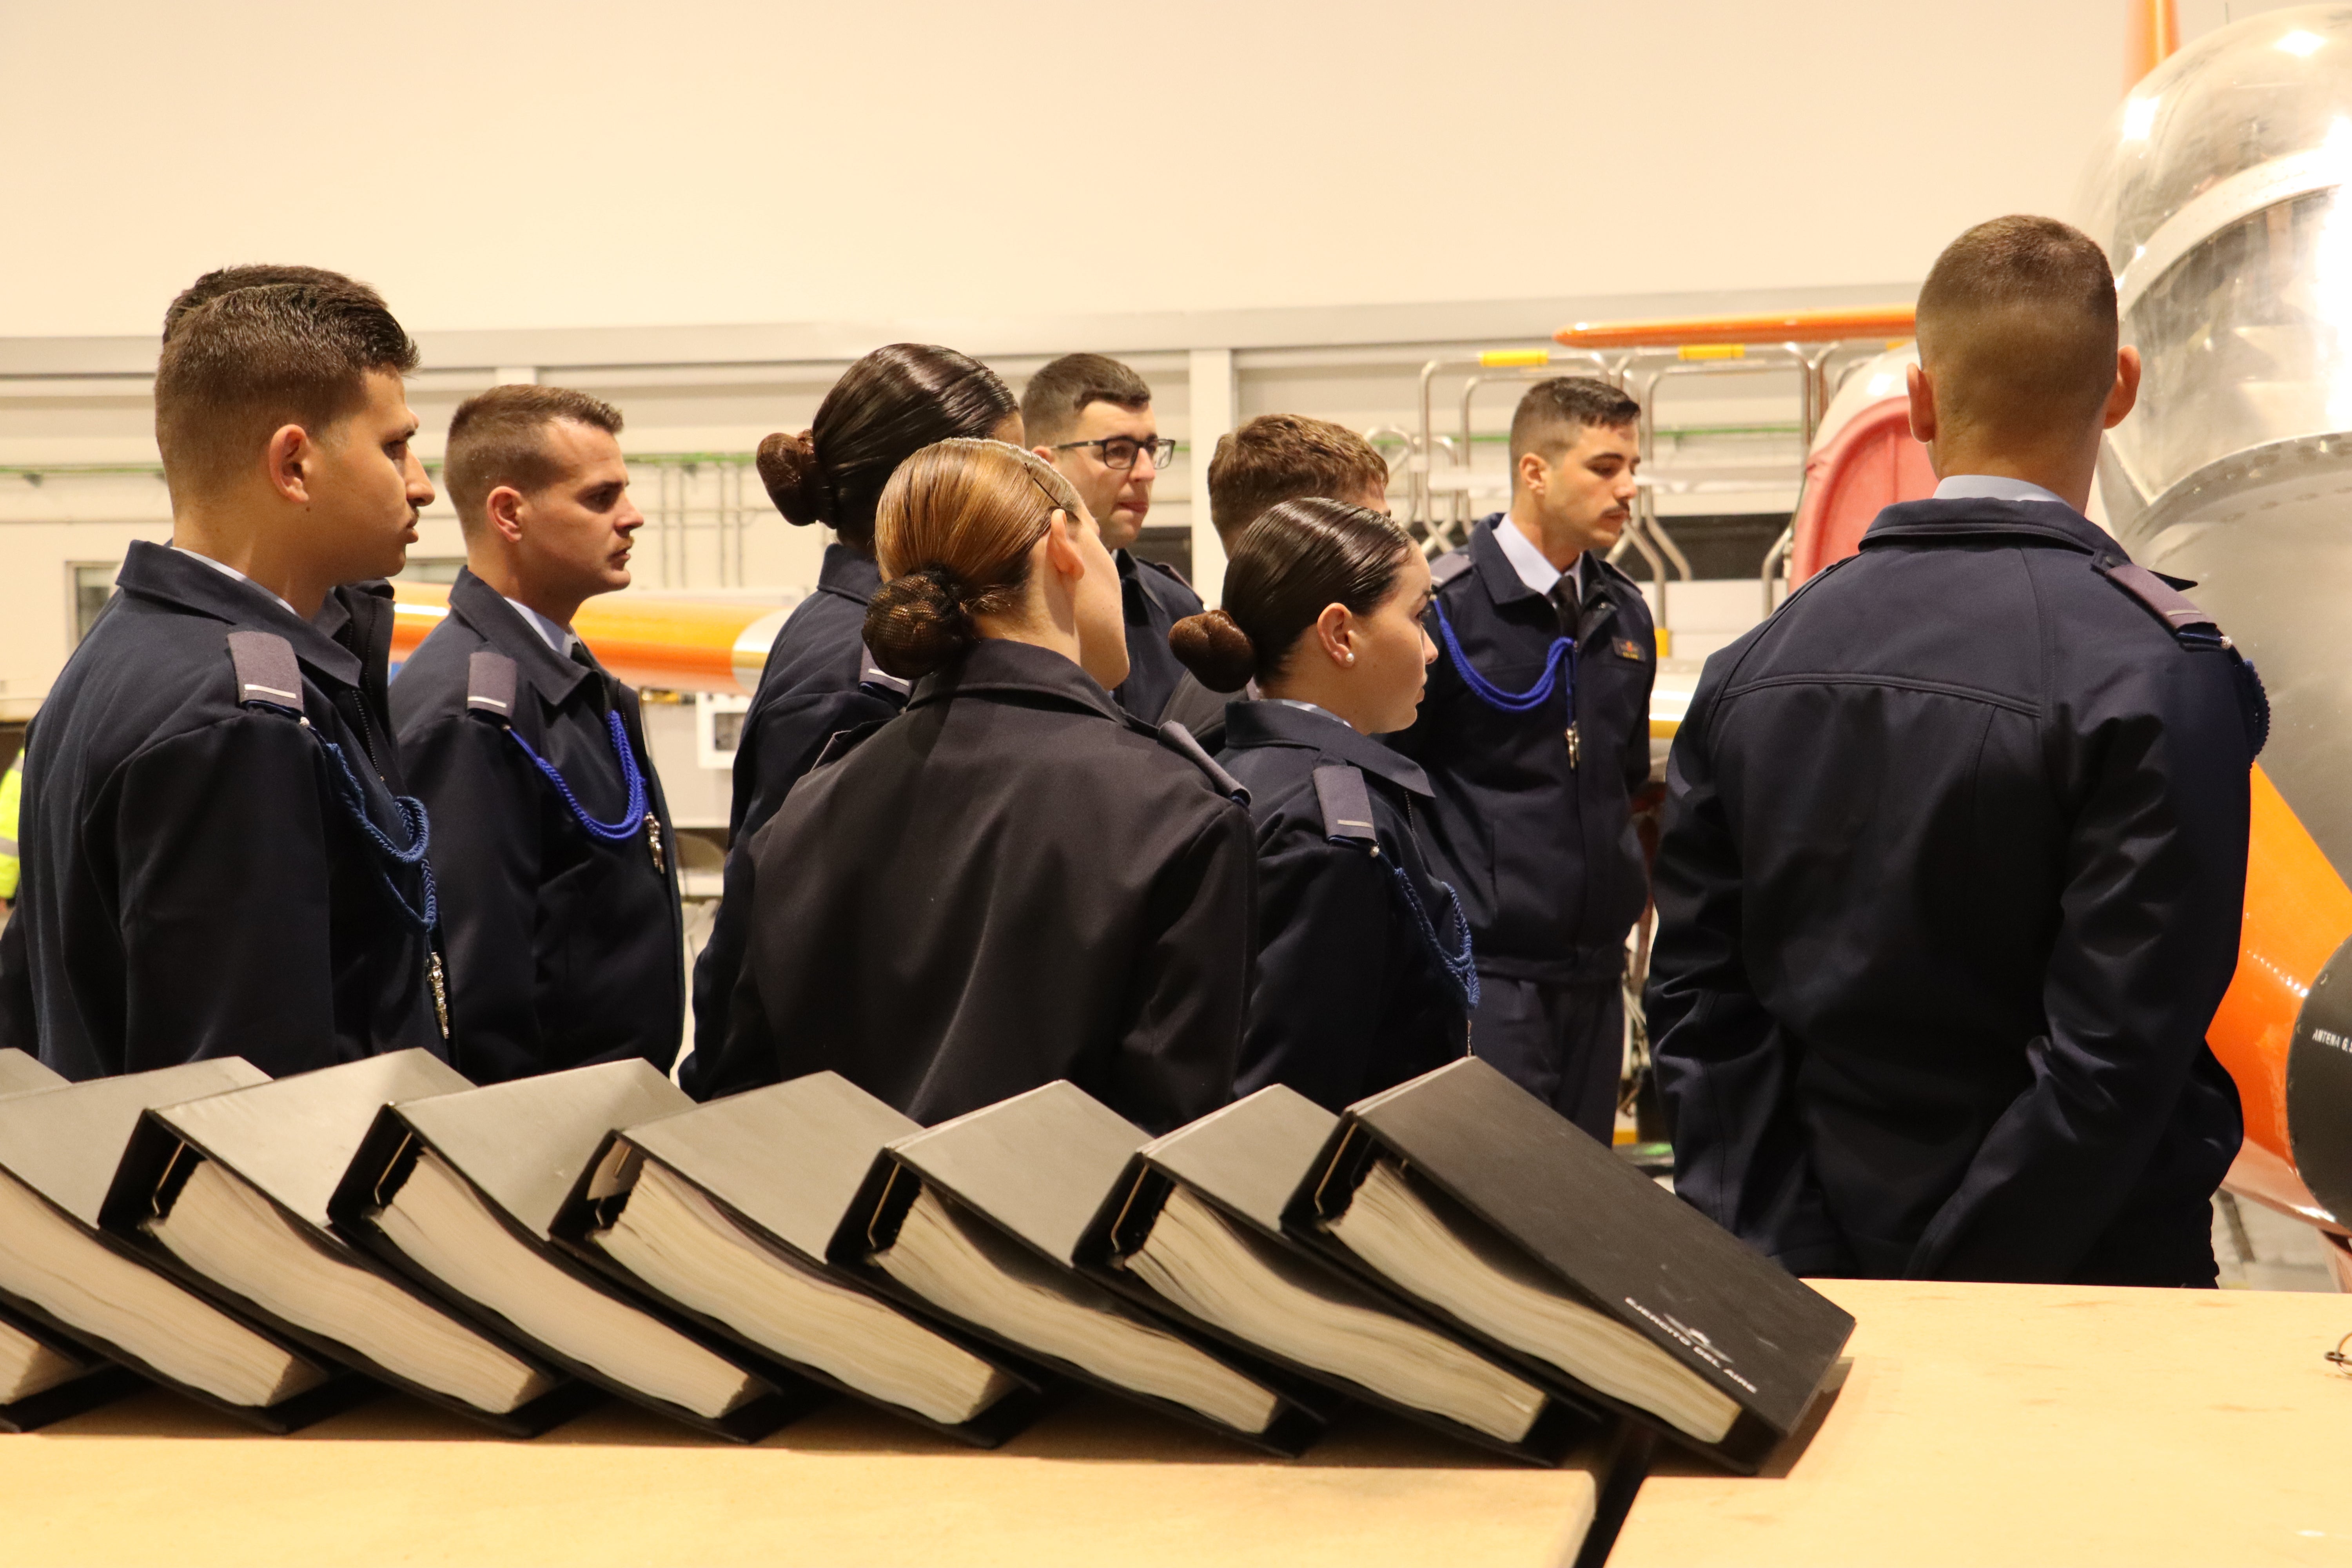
{"type": "Point", "coordinates": [561, 638]}
{"type": "Point", "coordinates": [1501, 573]}
{"type": "Point", "coordinates": [1995, 487]}
{"type": "Point", "coordinates": [1001, 666]}
{"type": "Point", "coordinates": [1989, 516]}
{"type": "Point", "coordinates": [500, 625]}
{"type": "Point", "coordinates": [1534, 569]}
{"type": "Point", "coordinates": [846, 573]}
{"type": "Point", "coordinates": [1280, 724]}
{"type": "Point", "coordinates": [175, 577]}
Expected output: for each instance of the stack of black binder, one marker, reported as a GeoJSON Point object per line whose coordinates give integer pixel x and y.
{"type": "Point", "coordinates": [724, 1213]}
{"type": "Point", "coordinates": [58, 1152]}
{"type": "Point", "coordinates": [229, 1194]}
{"type": "Point", "coordinates": [458, 1192]}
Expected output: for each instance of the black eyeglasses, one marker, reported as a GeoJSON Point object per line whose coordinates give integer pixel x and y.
{"type": "Point", "coordinates": [1119, 451]}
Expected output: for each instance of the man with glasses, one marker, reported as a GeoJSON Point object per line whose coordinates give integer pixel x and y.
{"type": "Point", "coordinates": [1090, 416]}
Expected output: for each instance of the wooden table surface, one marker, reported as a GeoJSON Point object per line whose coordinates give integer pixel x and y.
{"type": "Point", "coordinates": [1977, 1424]}
{"type": "Point", "coordinates": [2035, 1423]}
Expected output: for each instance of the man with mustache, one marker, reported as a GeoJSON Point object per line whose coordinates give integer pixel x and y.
{"type": "Point", "coordinates": [1535, 734]}
{"type": "Point", "coordinates": [217, 856]}
{"type": "Point", "coordinates": [558, 871]}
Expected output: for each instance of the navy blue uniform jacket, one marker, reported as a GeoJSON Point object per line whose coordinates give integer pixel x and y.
{"type": "Point", "coordinates": [1154, 598]}
{"type": "Point", "coordinates": [1351, 998]}
{"type": "Point", "coordinates": [1010, 883]}
{"type": "Point", "coordinates": [817, 682]}
{"type": "Point", "coordinates": [1950, 884]}
{"type": "Point", "coordinates": [563, 949]}
{"type": "Point", "coordinates": [193, 885]}
{"type": "Point", "coordinates": [1542, 852]}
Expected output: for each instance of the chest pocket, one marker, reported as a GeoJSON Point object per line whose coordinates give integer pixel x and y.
{"type": "Point", "coordinates": [1347, 805]}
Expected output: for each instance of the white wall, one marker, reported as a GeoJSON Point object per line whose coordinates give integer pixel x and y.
{"type": "Point", "coordinates": [495, 164]}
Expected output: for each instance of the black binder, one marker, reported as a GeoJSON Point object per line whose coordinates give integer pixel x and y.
{"type": "Point", "coordinates": [1618, 1242]}
{"type": "Point", "coordinates": [1039, 1168]}
{"type": "Point", "coordinates": [63, 1144]}
{"type": "Point", "coordinates": [1246, 1161]}
{"type": "Point", "coordinates": [291, 1141]}
{"type": "Point", "coordinates": [102, 1383]}
{"type": "Point", "coordinates": [523, 1146]}
{"type": "Point", "coordinates": [785, 1162]}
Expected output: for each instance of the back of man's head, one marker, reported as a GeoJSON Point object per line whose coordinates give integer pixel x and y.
{"type": "Point", "coordinates": [245, 363]}
{"type": "Point", "coordinates": [2017, 332]}
{"type": "Point", "coordinates": [500, 437]}
{"type": "Point", "coordinates": [256, 274]}
{"type": "Point", "coordinates": [1554, 415]}
{"type": "Point", "coordinates": [1276, 458]}
{"type": "Point", "coordinates": [1060, 391]}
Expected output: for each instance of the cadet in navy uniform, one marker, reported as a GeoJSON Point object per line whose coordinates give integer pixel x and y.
{"type": "Point", "coordinates": [218, 860]}
{"type": "Point", "coordinates": [1956, 849]}
{"type": "Point", "coordinates": [819, 680]}
{"type": "Point", "coordinates": [1364, 971]}
{"type": "Point", "coordinates": [1536, 735]}
{"type": "Point", "coordinates": [1014, 880]}
{"type": "Point", "coordinates": [559, 887]}
{"type": "Point", "coordinates": [1090, 416]}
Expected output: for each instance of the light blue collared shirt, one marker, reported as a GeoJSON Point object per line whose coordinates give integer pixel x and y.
{"type": "Point", "coordinates": [1994, 486]}
{"type": "Point", "coordinates": [1311, 708]}
{"type": "Point", "coordinates": [1529, 561]}
{"type": "Point", "coordinates": [224, 567]}
{"type": "Point", "coordinates": [559, 637]}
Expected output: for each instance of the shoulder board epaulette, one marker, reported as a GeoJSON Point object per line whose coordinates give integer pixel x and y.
{"type": "Point", "coordinates": [1178, 739]}
{"type": "Point", "coordinates": [874, 679]}
{"type": "Point", "coordinates": [490, 685]}
{"type": "Point", "coordinates": [1347, 802]}
{"type": "Point", "coordinates": [841, 742]}
{"type": "Point", "coordinates": [2190, 626]}
{"type": "Point", "coordinates": [268, 673]}
{"type": "Point", "coordinates": [1172, 571]}
{"type": "Point", "coordinates": [1449, 566]}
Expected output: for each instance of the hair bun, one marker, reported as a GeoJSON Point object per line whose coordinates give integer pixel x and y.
{"type": "Point", "coordinates": [798, 486]}
{"type": "Point", "coordinates": [1215, 649]}
{"type": "Point", "coordinates": [917, 622]}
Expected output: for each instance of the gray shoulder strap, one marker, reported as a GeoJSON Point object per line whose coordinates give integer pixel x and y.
{"type": "Point", "coordinates": [490, 685]}
{"type": "Point", "coordinates": [1178, 739]}
{"type": "Point", "coordinates": [268, 674]}
{"type": "Point", "coordinates": [2188, 624]}
{"type": "Point", "coordinates": [1347, 805]}
{"type": "Point", "coordinates": [873, 676]}
{"type": "Point", "coordinates": [1449, 566]}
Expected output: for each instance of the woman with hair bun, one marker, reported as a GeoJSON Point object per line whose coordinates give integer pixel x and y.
{"type": "Point", "coordinates": [1364, 975]}
{"type": "Point", "coordinates": [818, 680]}
{"type": "Point", "coordinates": [1013, 881]}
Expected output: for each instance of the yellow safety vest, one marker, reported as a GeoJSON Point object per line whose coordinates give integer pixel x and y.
{"type": "Point", "coordinates": [12, 790]}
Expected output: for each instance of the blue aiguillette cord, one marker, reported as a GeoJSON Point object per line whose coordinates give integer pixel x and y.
{"type": "Point", "coordinates": [353, 797]}
{"type": "Point", "coordinates": [633, 816]}
{"type": "Point", "coordinates": [1461, 965]}
{"type": "Point", "coordinates": [1563, 651]}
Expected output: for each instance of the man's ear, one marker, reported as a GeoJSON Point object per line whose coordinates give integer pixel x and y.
{"type": "Point", "coordinates": [2124, 396]}
{"type": "Point", "coordinates": [504, 510]}
{"type": "Point", "coordinates": [1532, 472]}
{"type": "Point", "coordinates": [1922, 393]}
{"type": "Point", "coordinates": [288, 449]}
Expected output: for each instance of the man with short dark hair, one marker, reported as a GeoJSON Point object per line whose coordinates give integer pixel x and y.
{"type": "Point", "coordinates": [217, 858]}
{"type": "Point", "coordinates": [1956, 849]}
{"type": "Point", "coordinates": [1090, 416]}
{"type": "Point", "coordinates": [1270, 459]}
{"type": "Point", "coordinates": [558, 882]}
{"type": "Point", "coordinates": [1536, 735]}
